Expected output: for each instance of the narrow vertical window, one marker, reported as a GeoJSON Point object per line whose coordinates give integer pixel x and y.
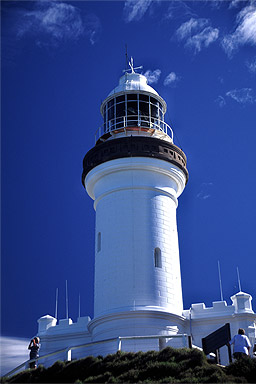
{"type": "Point", "coordinates": [157, 258]}
{"type": "Point", "coordinates": [99, 242]}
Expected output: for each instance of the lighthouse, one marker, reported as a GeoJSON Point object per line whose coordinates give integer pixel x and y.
{"type": "Point", "coordinates": [135, 174]}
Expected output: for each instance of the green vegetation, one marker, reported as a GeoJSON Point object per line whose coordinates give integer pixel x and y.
{"type": "Point", "coordinates": [167, 366]}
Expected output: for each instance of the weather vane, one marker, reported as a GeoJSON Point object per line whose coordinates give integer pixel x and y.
{"type": "Point", "coordinates": [132, 69]}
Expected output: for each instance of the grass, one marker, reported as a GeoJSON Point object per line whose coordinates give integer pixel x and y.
{"type": "Point", "coordinates": [167, 366]}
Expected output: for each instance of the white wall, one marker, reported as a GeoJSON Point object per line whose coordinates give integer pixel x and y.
{"type": "Point", "coordinates": [135, 201]}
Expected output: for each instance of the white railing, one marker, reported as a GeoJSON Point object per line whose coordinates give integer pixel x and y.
{"type": "Point", "coordinates": [126, 122]}
{"type": "Point", "coordinates": [68, 351]}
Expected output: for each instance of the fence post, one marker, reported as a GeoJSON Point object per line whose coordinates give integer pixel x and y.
{"type": "Point", "coordinates": [68, 354]}
{"type": "Point", "coordinates": [119, 344]}
{"type": "Point", "coordinates": [184, 337]}
{"type": "Point", "coordinates": [162, 343]}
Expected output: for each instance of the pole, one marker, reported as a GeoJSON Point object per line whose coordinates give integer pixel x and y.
{"type": "Point", "coordinates": [66, 299]}
{"type": "Point", "coordinates": [190, 342]}
{"type": "Point", "coordinates": [238, 277]}
{"type": "Point", "coordinates": [217, 353]}
{"type": "Point", "coordinates": [56, 304]}
{"type": "Point", "coordinates": [229, 353]}
{"type": "Point", "coordinates": [221, 293]}
{"type": "Point", "coordinates": [126, 58]}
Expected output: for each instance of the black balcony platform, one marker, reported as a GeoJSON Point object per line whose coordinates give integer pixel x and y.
{"type": "Point", "coordinates": [134, 146]}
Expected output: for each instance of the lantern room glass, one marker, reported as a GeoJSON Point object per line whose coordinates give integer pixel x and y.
{"type": "Point", "coordinates": [133, 109]}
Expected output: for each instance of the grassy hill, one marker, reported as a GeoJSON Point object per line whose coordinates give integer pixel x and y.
{"type": "Point", "coordinates": [167, 366]}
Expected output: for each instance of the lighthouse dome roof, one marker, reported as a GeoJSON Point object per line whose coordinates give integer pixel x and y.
{"type": "Point", "coordinates": [133, 82]}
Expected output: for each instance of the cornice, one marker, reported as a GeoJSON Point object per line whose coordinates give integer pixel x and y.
{"type": "Point", "coordinates": [134, 314]}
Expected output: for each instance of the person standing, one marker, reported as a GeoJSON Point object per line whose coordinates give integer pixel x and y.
{"type": "Point", "coordinates": [34, 348]}
{"type": "Point", "coordinates": [241, 344]}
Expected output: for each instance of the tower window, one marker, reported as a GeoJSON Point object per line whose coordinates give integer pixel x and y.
{"type": "Point", "coordinates": [132, 96]}
{"type": "Point", "coordinates": [154, 101]}
{"type": "Point", "coordinates": [99, 242]}
{"type": "Point", "coordinates": [157, 258]}
{"type": "Point", "coordinates": [120, 99]}
{"type": "Point", "coordinates": [144, 98]}
{"type": "Point", "coordinates": [133, 110]}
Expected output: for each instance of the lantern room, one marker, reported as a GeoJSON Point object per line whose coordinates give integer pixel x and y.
{"type": "Point", "coordinates": [133, 108]}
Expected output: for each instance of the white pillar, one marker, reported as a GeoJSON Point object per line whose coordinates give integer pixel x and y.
{"type": "Point", "coordinates": [135, 203]}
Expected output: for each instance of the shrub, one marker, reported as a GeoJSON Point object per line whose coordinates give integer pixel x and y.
{"type": "Point", "coordinates": [52, 374]}
{"type": "Point", "coordinates": [158, 370]}
{"type": "Point", "coordinates": [245, 367]}
{"type": "Point", "coordinates": [21, 377]}
{"type": "Point", "coordinates": [129, 377]}
{"type": "Point", "coordinates": [103, 378]}
{"type": "Point", "coordinates": [80, 369]}
{"type": "Point", "coordinates": [167, 366]}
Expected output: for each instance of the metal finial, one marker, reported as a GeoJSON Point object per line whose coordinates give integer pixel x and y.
{"type": "Point", "coordinates": [131, 64]}
{"type": "Point", "coordinates": [132, 69]}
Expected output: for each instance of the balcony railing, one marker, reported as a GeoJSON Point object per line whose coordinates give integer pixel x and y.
{"type": "Point", "coordinates": [133, 122]}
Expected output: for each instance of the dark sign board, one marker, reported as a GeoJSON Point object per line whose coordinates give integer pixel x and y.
{"type": "Point", "coordinates": [217, 339]}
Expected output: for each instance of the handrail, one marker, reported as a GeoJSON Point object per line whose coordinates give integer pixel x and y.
{"type": "Point", "coordinates": [119, 345]}
{"type": "Point", "coordinates": [140, 121]}
{"type": "Point", "coordinates": [56, 353]}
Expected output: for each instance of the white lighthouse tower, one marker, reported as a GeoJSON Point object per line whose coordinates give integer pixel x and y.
{"type": "Point", "coordinates": [135, 175]}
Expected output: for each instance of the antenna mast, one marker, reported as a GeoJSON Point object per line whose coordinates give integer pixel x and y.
{"type": "Point", "coordinates": [221, 293]}
{"type": "Point", "coordinates": [56, 304]}
{"type": "Point", "coordinates": [79, 306]}
{"type": "Point", "coordinates": [126, 58]}
{"type": "Point", "coordinates": [239, 282]}
{"type": "Point", "coordinates": [66, 299]}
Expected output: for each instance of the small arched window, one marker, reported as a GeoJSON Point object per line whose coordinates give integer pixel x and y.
{"type": "Point", "coordinates": [99, 242]}
{"type": "Point", "coordinates": [157, 258]}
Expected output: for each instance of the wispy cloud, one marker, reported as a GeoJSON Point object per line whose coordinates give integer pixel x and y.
{"type": "Point", "coordinates": [197, 34]}
{"type": "Point", "coordinates": [244, 33]}
{"type": "Point", "coordinates": [220, 101]}
{"type": "Point", "coordinates": [251, 65]}
{"type": "Point", "coordinates": [92, 27]}
{"type": "Point", "coordinates": [242, 96]}
{"type": "Point", "coordinates": [13, 352]}
{"type": "Point", "coordinates": [134, 10]}
{"type": "Point", "coordinates": [234, 3]}
{"type": "Point", "coordinates": [205, 191]}
{"type": "Point", "coordinates": [179, 9]}
{"type": "Point", "coordinates": [51, 23]}
{"type": "Point", "coordinates": [152, 76]}
{"type": "Point", "coordinates": [171, 79]}
{"type": "Point", "coordinates": [59, 21]}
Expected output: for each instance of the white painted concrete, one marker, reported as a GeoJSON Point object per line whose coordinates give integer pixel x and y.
{"type": "Point", "coordinates": [207, 320]}
{"type": "Point", "coordinates": [135, 203]}
{"type": "Point", "coordinates": [199, 321]}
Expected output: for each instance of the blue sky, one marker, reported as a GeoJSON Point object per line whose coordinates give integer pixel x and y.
{"type": "Point", "coordinates": [59, 61]}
